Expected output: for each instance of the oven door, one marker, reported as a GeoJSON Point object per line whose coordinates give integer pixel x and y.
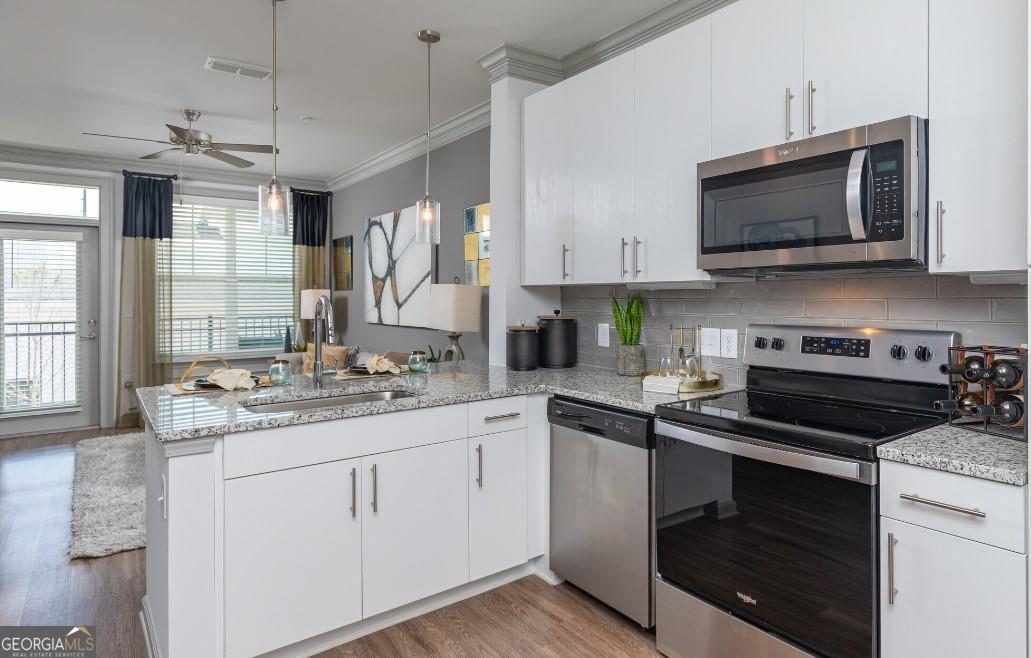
{"type": "Point", "coordinates": [782, 537]}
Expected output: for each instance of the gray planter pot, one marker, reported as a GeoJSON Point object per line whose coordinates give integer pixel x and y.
{"type": "Point", "coordinates": [630, 360]}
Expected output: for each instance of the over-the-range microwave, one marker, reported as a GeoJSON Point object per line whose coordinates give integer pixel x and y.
{"type": "Point", "coordinates": [854, 199]}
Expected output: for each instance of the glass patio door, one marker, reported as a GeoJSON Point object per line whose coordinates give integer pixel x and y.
{"type": "Point", "coordinates": [49, 358]}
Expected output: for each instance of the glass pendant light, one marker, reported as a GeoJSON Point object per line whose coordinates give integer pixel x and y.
{"type": "Point", "coordinates": [427, 224]}
{"type": "Point", "coordinates": [274, 198]}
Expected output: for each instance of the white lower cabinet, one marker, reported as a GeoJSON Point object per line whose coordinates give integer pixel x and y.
{"type": "Point", "coordinates": [953, 596]}
{"type": "Point", "coordinates": [497, 502]}
{"type": "Point", "coordinates": [415, 524]}
{"type": "Point", "coordinates": [293, 555]}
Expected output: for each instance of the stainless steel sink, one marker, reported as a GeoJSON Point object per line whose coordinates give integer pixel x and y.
{"type": "Point", "coordinates": [322, 403]}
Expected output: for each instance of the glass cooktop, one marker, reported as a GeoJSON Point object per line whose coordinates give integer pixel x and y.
{"type": "Point", "coordinates": [837, 427]}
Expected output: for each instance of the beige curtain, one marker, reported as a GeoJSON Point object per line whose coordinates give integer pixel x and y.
{"type": "Point", "coordinates": [311, 256]}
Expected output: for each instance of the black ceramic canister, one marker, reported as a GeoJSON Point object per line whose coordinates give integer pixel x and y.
{"type": "Point", "coordinates": [557, 340]}
{"type": "Point", "coordinates": [522, 347]}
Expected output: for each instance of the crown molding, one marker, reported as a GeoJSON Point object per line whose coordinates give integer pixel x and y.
{"type": "Point", "coordinates": [511, 60]}
{"type": "Point", "coordinates": [449, 131]}
{"type": "Point", "coordinates": [20, 154]}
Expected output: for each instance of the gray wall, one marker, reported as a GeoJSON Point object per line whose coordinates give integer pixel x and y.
{"type": "Point", "coordinates": [995, 314]}
{"type": "Point", "coordinates": [459, 178]}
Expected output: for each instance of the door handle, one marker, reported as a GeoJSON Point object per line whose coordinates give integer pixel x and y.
{"type": "Point", "coordinates": [941, 233]}
{"type": "Point", "coordinates": [812, 121]}
{"type": "Point", "coordinates": [622, 257]}
{"type": "Point", "coordinates": [479, 461]}
{"type": "Point", "coordinates": [637, 270]}
{"type": "Point", "coordinates": [565, 250]}
{"type": "Point", "coordinates": [354, 493]}
{"type": "Point", "coordinates": [88, 337]}
{"type": "Point", "coordinates": [375, 491]}
{"type": "Point", "coordinates": [788, 97]}
{"type": "Point", "coordinates": [854, 194]}
{"type": "Point", "coordinates": [892, 592]}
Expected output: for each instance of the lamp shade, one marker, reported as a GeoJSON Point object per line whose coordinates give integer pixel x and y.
{"type": "Point", "coordinates": [455, 307]}
{"type": "Point", "coordinates": [308, 299]}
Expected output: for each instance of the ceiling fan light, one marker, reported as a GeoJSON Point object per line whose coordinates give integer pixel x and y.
{"type": "Point", "coordinates": [427, 225]}
{"type": "Point", "coordinates": [273, 208]}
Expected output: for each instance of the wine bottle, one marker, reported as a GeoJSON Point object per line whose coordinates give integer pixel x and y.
{"type": "Point", "coordinates": [963, 404]}
{"type": "Point", "coordinates": [1007, 410]}
{"type": "Point", "coordinates": [968, 368]}
{"type": "Point", "coordinates": [1004, 374]}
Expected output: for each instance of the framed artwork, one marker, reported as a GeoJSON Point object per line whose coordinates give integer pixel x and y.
{"type": "Point", "coordinates": [477, 245]}
{"type": "Point", "coordinates": [398, 271]}
{"type": "Point", "coordinates": [343, 263]}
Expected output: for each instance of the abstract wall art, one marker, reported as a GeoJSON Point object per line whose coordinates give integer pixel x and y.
{"type": "Point", "coordinates": [477, 245]}
{"type": "Point", "coordinates": [398, 271]}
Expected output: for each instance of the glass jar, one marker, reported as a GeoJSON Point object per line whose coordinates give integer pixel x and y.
{"type": "Point", "coordinates": [418, 362]}
{"type": "Point", "coordinates": [280, 372]}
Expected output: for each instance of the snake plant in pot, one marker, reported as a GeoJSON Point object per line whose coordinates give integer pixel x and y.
{"type": "Point", "coordinates": [628, 318]}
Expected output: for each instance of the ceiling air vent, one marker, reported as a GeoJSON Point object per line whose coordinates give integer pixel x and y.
{"type": "Point", "coordinates": [255, 71]}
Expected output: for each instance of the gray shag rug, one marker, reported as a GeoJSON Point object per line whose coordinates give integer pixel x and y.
{"type": "Point", "coordinates": [108, 496]}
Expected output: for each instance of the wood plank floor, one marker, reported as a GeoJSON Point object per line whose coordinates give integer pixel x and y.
{"type": "Point", "coordinates": [40, 586]}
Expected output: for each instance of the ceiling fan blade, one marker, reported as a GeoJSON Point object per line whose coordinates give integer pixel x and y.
{"type": "Point", "coordinates": [154, 156]}
{"type": "Point", "coordinates": [181, 133]}
{"type": "Point", "coordinates": [229, 159]}
{"type": "Point", "coordinates": [250, 148]}
{"type": "Point", "coordinates": [138, 139]}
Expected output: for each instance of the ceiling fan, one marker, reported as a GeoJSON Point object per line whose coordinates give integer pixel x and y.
{"type": "Point", "coordinates": [193, 142]}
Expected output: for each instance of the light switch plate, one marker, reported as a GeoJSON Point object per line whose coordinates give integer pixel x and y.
{"type": "Point", "coordinates": [710, 342]}
{"type": "Point", "coordinates": [603, 334]}
{"type": "Point", "coordinates": [728, 343]}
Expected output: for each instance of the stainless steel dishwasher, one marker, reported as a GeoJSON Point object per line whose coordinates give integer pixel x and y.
{"type": "Point", "coordinates": [602, 464]}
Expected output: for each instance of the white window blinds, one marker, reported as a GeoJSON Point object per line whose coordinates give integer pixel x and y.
{"type": "Point", "coordinates": [232, 288]}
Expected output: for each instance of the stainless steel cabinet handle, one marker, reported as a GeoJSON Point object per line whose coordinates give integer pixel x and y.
{"type": "Point", "coordinates": [622, 257]}
{"type": "Point", "coordinates": [163, 498]}
{"type": "Point", "coordinates": [941, 233]}
{"type": "Point", "coordinates": [479, 460]}
{"type": "Point", "coordinates": [892, 592]}
{"type": "Point", "coordinates": [375, 490]}
{"type": "Point", "coordinates": [812, 121]}
{"type": "Point", "coordinates": [354, 493]}
{"type": "Point", "coordinates": [637, 243]}
{"type": "Point", "coordinates": [565, 250]}
{"type": "Point", "coordinates": [915, 498]}
{"type": "Point", "coordinates": [514, 414]}
{"type": "Point", "coordinates": [788, 97]}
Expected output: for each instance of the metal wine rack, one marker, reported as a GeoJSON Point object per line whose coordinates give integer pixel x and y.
{"type": "Point", "coordinates": [959, 386]}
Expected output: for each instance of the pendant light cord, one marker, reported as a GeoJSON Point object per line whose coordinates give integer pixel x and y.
{"type": "Point", "coordinates": [428, 44]}
{"type": "Point", "coordinates": [275, 103]}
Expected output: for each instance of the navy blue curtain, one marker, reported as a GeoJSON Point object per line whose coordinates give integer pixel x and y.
{"type": "Point", "coordinates": [147, 207]}
{"type": "Point", "coordinates": [311, 217]}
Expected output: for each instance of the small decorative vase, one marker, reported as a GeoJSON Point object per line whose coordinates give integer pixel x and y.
{"type": "Point", "coordinates": [630, 360]}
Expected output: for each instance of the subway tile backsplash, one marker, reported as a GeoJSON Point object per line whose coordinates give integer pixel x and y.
{"type": "Point", "coordinates": [994, 314]}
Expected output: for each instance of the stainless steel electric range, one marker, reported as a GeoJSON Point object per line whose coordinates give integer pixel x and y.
{"type": "Point", "coordinates": [766, 499]}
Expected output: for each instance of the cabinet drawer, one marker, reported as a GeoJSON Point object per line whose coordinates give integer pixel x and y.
{"type": "Point", "coordinates": [497, 415]}
{"type": "Point", "coordinates": [982, 510]}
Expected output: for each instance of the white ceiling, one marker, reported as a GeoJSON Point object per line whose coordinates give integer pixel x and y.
{"type": "Point", "coordinates": [129, 66]}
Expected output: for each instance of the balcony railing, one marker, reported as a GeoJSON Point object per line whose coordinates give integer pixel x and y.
{"type": "Point", "coordinates": [40, 361]}
{"type": "Point", "coordinates": [215, 334]}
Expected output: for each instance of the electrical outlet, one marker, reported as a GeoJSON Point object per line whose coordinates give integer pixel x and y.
{"type": "Point", "coordinates": [603, 334]}
{"type": "Point", "coordinates": [728, 343]}
{"type": "Point", "coordinates": [710, 342]}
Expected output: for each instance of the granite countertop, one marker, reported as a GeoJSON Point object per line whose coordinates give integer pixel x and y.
{"type": "Point", "coordinates": [179, 417]}
{"type": "Point", "coordinates": [958, 450]}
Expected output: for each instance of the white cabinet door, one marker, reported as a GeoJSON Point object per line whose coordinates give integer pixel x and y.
{"type": "Point", "coordinates": [547, 189]}
{"type": "Point", "coordinates": [866, 61]}
{"type": "Point", "coordinates": [671, 131]}
{"type": "Point", "coordinates": [756, 64]}
{"type": "Point", "coordinates": [293, 555]}
{"type": "Point", "coordinates": [497, 502]}
{"type": "Point", "coordinates": [977, 136]}
{"type": "Point", "coordinates": [601, 101]}
{"type": "Point", "coordinates": [415, 524]}
{"type": "Point", "coordinates": [955, 597]}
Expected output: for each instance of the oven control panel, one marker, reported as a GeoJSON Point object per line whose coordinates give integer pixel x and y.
{"type": "Point", "coordinates": [834, 346]}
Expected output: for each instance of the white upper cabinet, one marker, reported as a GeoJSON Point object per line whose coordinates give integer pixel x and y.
{"type": "Point", "coordinates": [601, 103]}
{"type": "Point", "coordinates": [757, 69]}
{"type": "Point", "coordinates": [547, 189]}
{"type": "Point", "coordinates": [977, 136]}
{"type": "Point", "coordinates": [864, 62]}
{"type": "Point", "coordinates": [671, 134]}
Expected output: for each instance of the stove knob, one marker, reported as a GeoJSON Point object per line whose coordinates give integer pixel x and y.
{"type": "Point", "coordinates": [760, 343]}
{"type": "Point", "coordinates": [899, 352]}
{"type": "Point", "coordinates": [777, 344]}
{"type": "Point", "coordinates": [923, 353]}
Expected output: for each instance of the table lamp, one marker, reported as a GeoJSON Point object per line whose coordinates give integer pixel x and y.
{"type": "Point", "coordinates": [455, 309]}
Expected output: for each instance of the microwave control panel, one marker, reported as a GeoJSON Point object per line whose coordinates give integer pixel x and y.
{"type": "Point", "coordinates": [886, 163]}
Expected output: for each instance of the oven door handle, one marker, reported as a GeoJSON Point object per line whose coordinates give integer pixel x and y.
{"type": "Point", "coordinates": [854, 195]}
{"type": "Point", "coordinates": [773, 453]}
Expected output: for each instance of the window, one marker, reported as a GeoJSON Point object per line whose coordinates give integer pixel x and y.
{"type": "Point", "coordinates": [232, 287]}
{"type": "Point", "coordinates": [49, 199]}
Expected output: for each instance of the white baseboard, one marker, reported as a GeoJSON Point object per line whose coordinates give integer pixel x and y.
{"type": "Point", "coordinates": [149, 637]}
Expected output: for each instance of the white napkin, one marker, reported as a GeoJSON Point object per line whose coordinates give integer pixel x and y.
{"type": "Point", "coordinates": [232, 379]}
{"type": "Point", "coordinates": [378, 363]}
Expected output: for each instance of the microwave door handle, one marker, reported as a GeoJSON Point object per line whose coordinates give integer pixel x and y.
{"type": "Point", "coordinates": [854, 195]}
